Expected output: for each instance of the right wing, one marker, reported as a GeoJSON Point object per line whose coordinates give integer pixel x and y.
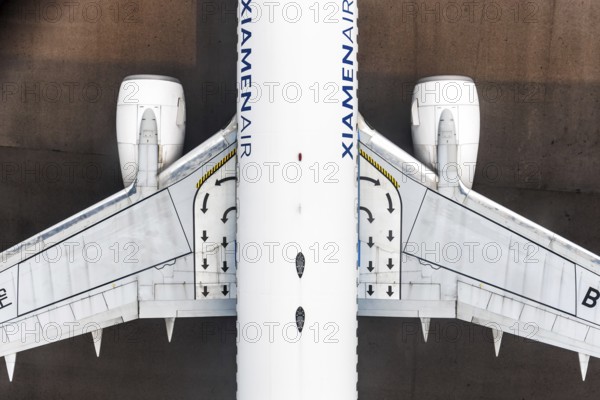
{"type": "Point", "coordinates": [128, 257]}
{"type": "Point", "coordinates": [427, 255]}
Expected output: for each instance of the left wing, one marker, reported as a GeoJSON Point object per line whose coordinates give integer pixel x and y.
{"type": "Point", "coordinates": [424, 254]}
{"type": "Point", "coordinates": [131, 256]}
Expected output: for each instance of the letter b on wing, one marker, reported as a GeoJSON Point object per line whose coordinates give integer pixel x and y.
{"type": "Point", "coordinates": [591, 298]}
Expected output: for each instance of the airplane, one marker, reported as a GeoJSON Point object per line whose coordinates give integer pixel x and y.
{"type": "Point", "coordinates": [297, 217]}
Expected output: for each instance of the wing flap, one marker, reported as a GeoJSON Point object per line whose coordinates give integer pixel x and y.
{"type": "Point", "coordinates": [71, 319]}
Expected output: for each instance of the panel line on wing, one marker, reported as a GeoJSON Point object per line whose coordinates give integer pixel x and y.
{"type": "Point", "coordinates": [179, 219]}
{"type": "Point", "coordinates": [17, 288]}
{"type": "Point", "coordinates": [91, 289]}
{"type": "Point", "coordinates": [495, 286]}
{"type": "Point", "coordinates": [415, 221]}
{"type": "Point", "coordinates": [86, 228]}
{"type": "Point", "coordinates": [508, 229]}
{"type": "Point", "coordinates": [149, 229]}
{"type": "Point", "coordinates": [576, 281]}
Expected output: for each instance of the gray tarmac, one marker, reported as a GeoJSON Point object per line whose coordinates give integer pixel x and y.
{"type": "Point", "coordinates": [537, 66]}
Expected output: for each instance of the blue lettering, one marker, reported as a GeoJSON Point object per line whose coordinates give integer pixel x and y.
{"type": "Point", "coordinates": [247, 149]}
{"type": "Point", "coordinates": [246, 6]}
{"type": "Point", "coordinates": [348, 74]}
{"type": "Point", "coordinates": [246, 34]}
{"type": "Point", "coordinates": [348, 71]}
{"type": "Point", "coordinates": [348, 33]}
{"type": "Point", "coordinates": [245, 123]}
{"type": "Point", "coordinates": [247, 65]}
{"type": "Point", "coordinates": [348, 150]}
{"type": "Point", "coordinates": [347, 7]}
{"type": "Point", "coordinates": [349, 97]}
{"type": "Point", "coordinates": [347, 120]}
{"type": "Point", "coordinates": [349, 53]}
{"type": "Point", "coordinates": [246, 97]}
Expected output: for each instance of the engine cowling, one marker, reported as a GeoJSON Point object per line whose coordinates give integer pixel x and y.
{"type": "Point", "coordinates": [164, 96]}
{"type": "Point", "coordinates": [445, 118]}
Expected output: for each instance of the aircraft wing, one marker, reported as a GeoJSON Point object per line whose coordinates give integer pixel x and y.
{"type": "Point", "coordinates": [130, 256]}
{"type": "Point", "coordinates": [426, 255]}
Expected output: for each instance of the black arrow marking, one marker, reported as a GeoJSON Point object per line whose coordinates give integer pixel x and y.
{"type": "Point", "coordinates": [373, 181]}
{"type": "Point", "coordinates": [229, 178]}
{"type": "Point", "coordinates": [390, 206]}
{"type": "Point", "coordinates": [370, 243]}
{"type": "Point", "coordinates": [224, 291]}
{"type": "Point", "coordinates": [370, 219]}
{"type": "Point", "coordinates": [390, 236]}
{"type": "Point", "coordinates": [370, 291]}
{"type": "Point", "coordinates": [205, 292]}
{"type": "Point", "coordinates": [224, 219]}
{"type": "Point", "coordinates": [204, 237]}
{"type": "Point", "coordinates": [204, 209]}
{"type": "Point", "coordinates": [370, 267]}
{"type": "Point", "coordinates": [205, 264]}
{"type": "Point", "coordinates": [390, 265]}
{"type": "Point", "coordinates": [390, 292]}
{"type": "Point", "coordinates": [224, 242]}
{"type": "Point", "coordinates": [225, 268]}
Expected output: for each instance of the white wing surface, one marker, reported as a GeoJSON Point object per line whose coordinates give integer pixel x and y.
{"type": "Point", "coordinates": [463, 256]}
{"type": "Point", "coordinates": [131, 256]}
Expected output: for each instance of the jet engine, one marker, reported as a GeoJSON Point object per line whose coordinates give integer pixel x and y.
{"type": "Point", "coordinates": [149, 103]}
{"type": "Point", "coordinates": [445, 127]}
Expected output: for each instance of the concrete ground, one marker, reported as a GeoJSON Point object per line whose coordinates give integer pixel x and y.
{"type": "Point", "coordinates": [537, 65]}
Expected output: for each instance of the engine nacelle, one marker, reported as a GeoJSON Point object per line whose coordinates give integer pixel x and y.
{"type": "Point", "coordinates": [445, 111]}
{"type": "Point", "coordinates": [164, 96]}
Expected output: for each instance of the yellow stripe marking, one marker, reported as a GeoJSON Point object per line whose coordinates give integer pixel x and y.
{"type": "Point", "coordinates": [215, 168]}
{"type": "Point", "coordinates": [379, 168]}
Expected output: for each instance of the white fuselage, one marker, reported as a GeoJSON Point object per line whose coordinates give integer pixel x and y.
{"type": "Point", "coordinates": [297, 156]}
